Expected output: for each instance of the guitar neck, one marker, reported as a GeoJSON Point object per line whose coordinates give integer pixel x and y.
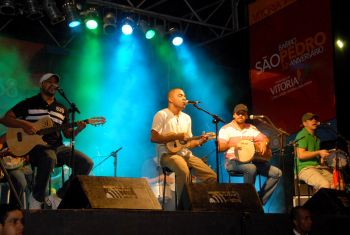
{"type": "Point", "coordinates": [194, 138]}
{"type": "Point", "coordinates": [53, 129]}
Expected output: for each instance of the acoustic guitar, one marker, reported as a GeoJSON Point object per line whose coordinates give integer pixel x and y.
{"type": "Point", "coordinates": [20, 143]}
{"type": "Point", "coordinates": [177, 145]}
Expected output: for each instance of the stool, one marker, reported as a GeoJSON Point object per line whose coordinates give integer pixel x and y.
{"type": "Point", "coordinates": [165, 171]}
{"type": "Point", "coordinates": [63, 179]}
{"type": "Point", "coordinates": [240, 174]}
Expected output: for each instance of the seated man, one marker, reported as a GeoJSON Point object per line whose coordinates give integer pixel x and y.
{"type": "Point", "coordinates": [230, 137]}
{"type": "Point", "coordinates": [310, 157]}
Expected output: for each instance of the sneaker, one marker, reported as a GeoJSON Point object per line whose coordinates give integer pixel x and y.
{"type": "Point", "coordinates": [34, 204]}
{"type": "Point", "coordinates": [53, 201]}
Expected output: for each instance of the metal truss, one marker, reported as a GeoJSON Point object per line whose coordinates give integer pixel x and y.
{"type": "Point", "coordinates": [202, 21]}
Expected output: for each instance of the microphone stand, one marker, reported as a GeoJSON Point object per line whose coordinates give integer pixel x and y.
{"type": "Point", "coordinates": [73, 109]}
{"type": "Point", "coordinates": [295, 145]}
{"type": "Point", "coordinates": [282, 134]}
{"type": "Point", "coordinates": [113, 154]}
{"type": "Point", "coordinates": [216, 120]}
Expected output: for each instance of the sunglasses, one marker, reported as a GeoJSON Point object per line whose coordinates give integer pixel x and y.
{"type": "Point", "coordinates": [243, 113]}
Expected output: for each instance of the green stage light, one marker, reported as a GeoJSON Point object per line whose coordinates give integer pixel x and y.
{"type": "Point", "coordinates": [151, 33]}
{"type": "Point", "coordinates": [91, 20]}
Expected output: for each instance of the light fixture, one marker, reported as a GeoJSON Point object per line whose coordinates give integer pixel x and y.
{"type": "Point", "coordinates": [52, 11]}
{"type": "Point", "coordinates": [147, 30]}
{"type": "Point", "coordinates": [72, 15]}
{"type": "Point", "coordinates": [91, 18]}
{"type": "Point", "coordinates": [33, 10]}
{"type": "Point", "coordinates": [7, 7]}
{"type": "Point", "coordinates": [175, 37]}
{"type": "Point", "coordinates": [128, 26]}
{"type": "Point", "coordinates": [109, 23]}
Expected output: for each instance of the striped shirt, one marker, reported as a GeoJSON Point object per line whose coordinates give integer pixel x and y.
{"type": "Point", "coordinates": [35, 108]}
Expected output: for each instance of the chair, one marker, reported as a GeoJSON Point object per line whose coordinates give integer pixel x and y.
{"type": "Point", "coordinates": [301, 190]}
{"type": "Point", "coordinates": [240, 174]}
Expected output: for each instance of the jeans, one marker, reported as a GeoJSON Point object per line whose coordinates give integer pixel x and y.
{"type": "Point", "coordinates": [250, 170]}
{"type": "Point", "coordinates": [45, 158]}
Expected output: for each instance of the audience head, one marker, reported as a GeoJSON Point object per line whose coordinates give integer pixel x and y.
{"type": "Point", "coordinates": [11, 220]}
{"type": "Point", "coordinates": [301, 219]}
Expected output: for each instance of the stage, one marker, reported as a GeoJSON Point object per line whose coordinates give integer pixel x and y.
{"type": "Point", "coordinates": [116, 221]}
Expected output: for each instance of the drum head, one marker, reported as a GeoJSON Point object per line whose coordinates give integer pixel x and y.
{"type": "Point", "coordinates": [337, 158]}
{"type": "Point", "coordinates": [245, 150]}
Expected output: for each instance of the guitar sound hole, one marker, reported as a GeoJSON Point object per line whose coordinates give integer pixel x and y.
{"type": "Point", "coordinates": [19, 136]}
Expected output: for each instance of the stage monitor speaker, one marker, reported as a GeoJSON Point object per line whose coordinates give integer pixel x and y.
{"type": "Point", "coordinates": [221, 197]}
{"type": "Point", "coordinates": [109, 192]}
{"type": "Point", "coordinates": [329, 201]}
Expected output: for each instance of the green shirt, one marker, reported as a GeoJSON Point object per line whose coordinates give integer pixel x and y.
{"type": "Point", "coordinates": [308, 142]}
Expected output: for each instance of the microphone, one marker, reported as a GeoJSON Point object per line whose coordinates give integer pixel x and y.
{"type": "Point", "coordinates": [324, 124]}
{"type": "Point", "coordinates": [192, 101]}
{"type": "Point", "coordinates": [256, 116]}
{"type": "Point", "coordinates": [57, 87]}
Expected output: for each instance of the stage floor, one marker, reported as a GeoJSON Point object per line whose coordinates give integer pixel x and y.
{"type": "Point", "coordinates": [117, 221]}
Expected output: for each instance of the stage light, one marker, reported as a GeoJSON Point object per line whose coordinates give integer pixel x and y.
{"type": "Point", "coordinates": [72, 15]}
{"type": "Point", "coordinates": [128, 26]}
{"type": "Point", "coordinates": [340, 43]}
{"type": "Point", "coordinates": [7, 7]}
{"type": "Point", "coordinates": [52, 11]}
{"type": "Point", "coordinates": [175, 37]}
{"type": "Point", "coordinates": [33, 10]}
{"type": "Point", "coordinates": [91, 20]}
{"type": "Point", "coordinates": [109, 23]}
{"type": "Point", "coordinates": [148, 31]}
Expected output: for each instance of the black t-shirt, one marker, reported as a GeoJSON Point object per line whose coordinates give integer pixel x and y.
{"type": "Point", "coordinates": [35, 108]}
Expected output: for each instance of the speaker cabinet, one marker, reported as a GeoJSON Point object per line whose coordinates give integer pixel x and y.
{"type": "Point", "coordinates": [221, 197]}
{"type": "Point", "coordinates": [329, 201]}
{"type": "Point", "coordinates": [109, 192]}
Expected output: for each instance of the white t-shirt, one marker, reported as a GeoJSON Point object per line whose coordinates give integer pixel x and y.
{"type": "Point", "coordinates": [165, 122]}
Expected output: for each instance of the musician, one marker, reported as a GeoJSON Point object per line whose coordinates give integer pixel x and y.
{"type": "Point", "coordinates": [172, 124]}
{"type": "Point", "coordinates": [230, 136]}
{"type": "Point", "coordinates": [310, 156]}
{"type": "Point", "coordinates": [46, 157]}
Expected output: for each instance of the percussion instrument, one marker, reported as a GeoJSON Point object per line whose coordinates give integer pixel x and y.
{"type": "Point", "coordinates": [337, 156]}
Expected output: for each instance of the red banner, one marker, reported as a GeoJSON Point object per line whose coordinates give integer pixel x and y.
{"type": "Point", "coordinates": [260, 9]}
{"type": "Point", "coordinates": [292, 64]}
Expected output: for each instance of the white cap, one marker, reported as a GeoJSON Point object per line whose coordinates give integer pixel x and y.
{"type": "Point", "coordinates": [47, 76]}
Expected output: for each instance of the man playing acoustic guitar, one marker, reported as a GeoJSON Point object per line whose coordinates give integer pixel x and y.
{"type": "Point", "coordinates": [172, 125]}
{"type": "Point", "coordinates": [239, 138]}
{"type": "Point", "coordinates": [24, 115]}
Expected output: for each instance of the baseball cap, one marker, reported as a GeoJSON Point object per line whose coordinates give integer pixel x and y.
{"type": "Point", "coordinates": [240, 107]}
{"type": "Point", "coordinates": [308, 116]}
{"type": "Point", "coordinates": [47, 76]}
